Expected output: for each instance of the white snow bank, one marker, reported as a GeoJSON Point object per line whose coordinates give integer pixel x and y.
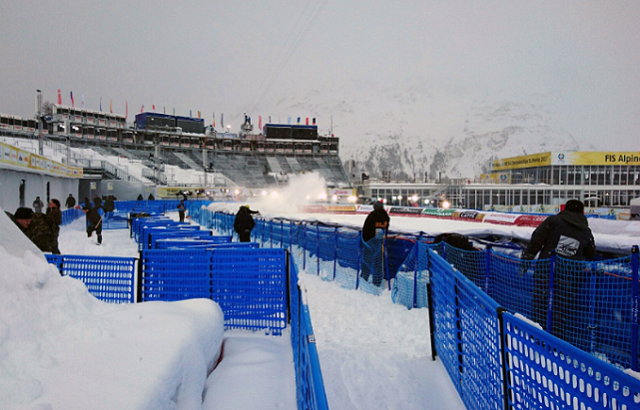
{"type": "Point", "coordinates": [62, 348]}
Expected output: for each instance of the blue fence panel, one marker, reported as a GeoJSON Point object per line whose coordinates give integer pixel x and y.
{"type": "Point", "coordinates": [169, 275]}
{"type": "Point", "coordinates": [183, 232]}
{"type": "Point", "coordinates": [309, 383]}
{"type": "Point", "coordinates": [149, 230]}
{"type": "Point", "coordinates": [110, 279]}
{"type": "Point", "coordinates": [115, 220]}
{"type": "Point", "coordinates": [466, 335]}
{"type": "Point", "coordinates": [249, 284]}
{"type": "Point", "coordinates": [410, 287]}
{"type": "Point", "coordinates": [70, 215]}
{"type": "Point", "coordinates": [545, 372]}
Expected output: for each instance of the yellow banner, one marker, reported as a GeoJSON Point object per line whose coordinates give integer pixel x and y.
{"type": "Point", "coordinates": [596, 158]}
{"type": "Point", "coordinates": [11, 155]}
{"type": "Point", "coordinates": [526, 161]}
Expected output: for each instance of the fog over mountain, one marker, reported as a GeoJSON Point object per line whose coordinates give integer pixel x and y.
{"type": "Point", "coordinates": [413, 129]}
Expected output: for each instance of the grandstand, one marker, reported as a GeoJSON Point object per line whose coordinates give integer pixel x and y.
{"type": "Point", "coordinates": [156, 142]}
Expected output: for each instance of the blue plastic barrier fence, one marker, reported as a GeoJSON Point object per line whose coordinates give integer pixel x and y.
{"type": "Point", "coordinates": [309, 383]}
{"type": "Point", "coordinates": [189, 242]}
{"type": "Point", "coordinates": [249, 284]}
{"type": "Point", "coordinates": [109, 279]}
{"type": "Point", "coordinates": [545, 372]}
{"type": "Point", "coordinates": [156, 234]}
{"type": "Point", "coordinates": [115, 220]}
{"type": "Point", "coordinates": [70, 215]}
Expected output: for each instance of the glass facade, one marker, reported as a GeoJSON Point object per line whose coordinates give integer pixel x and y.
{"type": "Point", "coordinates": [595, 185]}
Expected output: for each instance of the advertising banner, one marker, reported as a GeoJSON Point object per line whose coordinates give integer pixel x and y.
{"type": "Point", "coordinates": [469, 215]}
{"type": "Point", "coordinates": [15, 157]}
{"type": "Point", "coordinates": [595, 158]}
{"type": "Point", "coordinates": [438, 212]}
{"type": "Point", "coordinates": [340, 208]}
{"type": "Point", "coordinates": [525, 161]}
{"type": "Point", "coordinates": [500, 218]}
{"type": "Point", "coordinates": [405, 211]}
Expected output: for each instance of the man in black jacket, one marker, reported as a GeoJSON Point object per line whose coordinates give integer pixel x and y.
{"type": "Point", "coordinates": [244, 223]}
{"type": "Point", "coordinates": [376, 225]}
{"type": "Point", "coordinates": [94, 222]}
{"type": "Point", "coordinates": [70, 202]}
{"type": "Point", "coordinates": [568, 234]}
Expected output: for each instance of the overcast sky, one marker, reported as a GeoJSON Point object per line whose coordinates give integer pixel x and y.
{"type": "Point", "coordinates": [235, 56]}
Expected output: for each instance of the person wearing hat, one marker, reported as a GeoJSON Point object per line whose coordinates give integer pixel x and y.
{"type": "Point", "coordinates": [244, 223]}
{"type": "Point", "coordinates": [376, 225]}
{"type": "Point", "coordinates": [36, 227]}
{"type": "Point", "coordinates": [22, 218]}
{"type": "Point", "coordinates": [568, 234]}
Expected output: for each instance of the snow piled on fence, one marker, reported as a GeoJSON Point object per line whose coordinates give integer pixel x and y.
{"type": "Point", "coordinates": [62, 348]}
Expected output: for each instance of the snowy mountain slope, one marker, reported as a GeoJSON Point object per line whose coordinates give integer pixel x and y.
{"type": "Point", "coordinates": [412, 129]}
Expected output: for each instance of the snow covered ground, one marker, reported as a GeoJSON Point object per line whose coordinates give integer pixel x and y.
{"type": "Point", "coordinates": [60, 348]}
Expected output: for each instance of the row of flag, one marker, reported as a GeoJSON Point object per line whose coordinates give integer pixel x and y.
{"type": "Point", "coordinates": [153, 107]}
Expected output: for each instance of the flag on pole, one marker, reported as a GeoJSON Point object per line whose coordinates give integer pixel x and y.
{"type": "Point", "coordinates": [174, 110]}
{"type": "Point", "coordinates": [59, 97]}
{"type": "Point", "coordinates": [198, 114]}
{"type": "Point", "coordinates": [269, 119]}
{"type": "Point", "coordinates": [259, 121]}
{"type": "Point", "coordinates": [72, 102]}
{"type": "Point", "coordinates": [141, 108]}
{"type": "Point", "coordinates": [111, 106]}
{"type": "Point", "coordinates": [100, 104]}
{"type": "Point", "coordinates": [164, 110]}
{"type": "Point", "coordinates": [190, 115]}
{"type": "Point", "coordinates": [126, 109]}
{"type": "Point", "coordinates": [307, 121]}
{"type": "Point", "coordinates": [298, 120]}
{"type": "Point", "coordinates": [314, 121]}
{"type": "Point", "coordinates": [222, 120]}
{"type": "Point", "coordinates": [153, 107]}
{"type": "Point", "coordinates": [289, 120]}
{"type": "Point", "coordinates": [214, 120]}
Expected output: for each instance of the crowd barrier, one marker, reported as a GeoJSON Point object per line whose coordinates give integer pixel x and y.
{"type": "Point", "coordinates": [70, 215]}
{"type": "Point", "coordinates": [309, 383]}
{"type": "Point", "coordinates": [333, 252]}
{"type": "Point", "coordinates": [494, 358]}
{"type": "Point", "coordinates": [110, 279]}
{"type": "Point", "coordinates": [248, 284]}
{"type": "Point", "coordinates": [593, 305]}
{"type": "Point", "coordinates": [498, 360]}
{"type": "Point", "coordinates": [466, 301]}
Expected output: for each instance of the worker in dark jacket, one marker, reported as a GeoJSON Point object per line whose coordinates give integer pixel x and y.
{"type": "Point", "coordinates": [70, 202]}
{"type": "Point", "coordinates": [568, 234]}
{"type": "Point", "coordinates": [109, 204]}
{"type": "Point", "coordinates": [35, 226]}
{"type": "Point", "coordinates": [374, 231]}
{"type": "Point", "coordinates": [181, 210]}
{"type": "Point", "coordinates": [94, 222]}
{"type": "Point", "coordinates": [54, 217]}
{"type": "Point", "coordinates": [377, 219]}
{"type": "Point", "coordinates": [244, 223]}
